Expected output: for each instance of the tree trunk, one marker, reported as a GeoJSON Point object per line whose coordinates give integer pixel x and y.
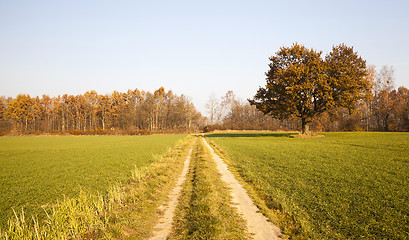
{"type": "Point", "coordinates": [305, 127]}
{"type": "Point", "coordinates": [63, 122]}
{"type": "Point", "coordinates": [386, 123]}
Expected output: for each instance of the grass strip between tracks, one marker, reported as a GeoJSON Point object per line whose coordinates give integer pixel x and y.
{"type": "Point", "coordinates": [205, 210]}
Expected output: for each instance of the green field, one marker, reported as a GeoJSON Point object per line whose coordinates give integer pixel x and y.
{"type": "Point", "coordinates": [36, 171]}
{"type": "Point", "coordinates": [342, 186]}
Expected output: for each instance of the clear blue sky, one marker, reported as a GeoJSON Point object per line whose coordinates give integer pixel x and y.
{"type": "Point", "coordinates": [194, 48]}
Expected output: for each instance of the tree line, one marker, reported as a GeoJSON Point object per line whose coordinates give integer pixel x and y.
{"type": "Point", "coordinates": [143, 112]}
{"type": "Point", "coordinates": [131, 112]}
{"type": "Point", "coordinates": [386, 109]}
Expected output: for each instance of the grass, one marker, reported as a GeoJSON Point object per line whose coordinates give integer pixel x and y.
{"type": "Point", "coordinates": [35, 172]}
{"type": "Point", "coordinates": [205, 210]}
{"type": "Point", "coordinates": [128, 211]}
{"type": "Point", "coordinates": [342, 186]}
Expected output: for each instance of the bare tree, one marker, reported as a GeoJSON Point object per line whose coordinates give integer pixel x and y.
{"type": "Point", "coordinates": [384, 80]}
{"type": "Point", "coordinates": [212, 107]}
{"type": "Point", "coordinates": [382, 102]}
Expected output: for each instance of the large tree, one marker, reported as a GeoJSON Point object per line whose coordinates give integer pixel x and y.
{"type": "Point", "coordinates": [300, 83]}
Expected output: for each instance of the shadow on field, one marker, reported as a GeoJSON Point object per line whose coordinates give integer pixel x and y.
{"type": "Point", "coordinates": [233, 135]}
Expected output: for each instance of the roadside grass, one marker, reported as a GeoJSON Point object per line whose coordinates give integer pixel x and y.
{"type": "Point", "coordinates": [205, 209]}
{"type": "Point", "coordinates": [127, 211]}
{"type": "Point", "coordinates": [342, 186]}
{"type": "Point", "coordinates": [36, 171]}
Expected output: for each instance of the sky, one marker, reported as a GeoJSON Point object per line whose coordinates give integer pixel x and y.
{"type": "Point", "coordinates": [195, 48]}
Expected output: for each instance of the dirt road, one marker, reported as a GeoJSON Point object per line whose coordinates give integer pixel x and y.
{"type": "Point", "coordinates": [257, 223]}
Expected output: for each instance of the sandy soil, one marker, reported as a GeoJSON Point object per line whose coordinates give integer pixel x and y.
{"type": "Point", "coordinates": [257, 223]}
{"type": "Point", "coordinates": [164, 226]}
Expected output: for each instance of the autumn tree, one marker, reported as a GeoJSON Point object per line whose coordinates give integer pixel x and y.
{"type": "Point", "coordinates": [46, 103]}
{"type": "Point", "coordinates": [2, 107]}
{"type": "Point", "coordinates": [91, 97]}
{"type": "Point", "coordinates": [3, 119]}
{"type": "Point", "coordinates": [18, 110]}
{"type": "Point", "coordinates": [402, 109]}
{"type": "Point", "coordinates": [300, 83]}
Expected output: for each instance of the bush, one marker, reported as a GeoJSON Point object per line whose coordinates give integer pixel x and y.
{"type": "Point", "coordinates": [208, 128]}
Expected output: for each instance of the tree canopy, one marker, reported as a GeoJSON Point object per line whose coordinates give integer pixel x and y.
{"type": "Point", "coordinates": [302, 84]}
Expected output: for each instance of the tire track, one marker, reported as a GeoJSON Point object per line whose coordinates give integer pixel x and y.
{"type": "Point", "coordinates": [257, 223]}
{"type": "Point", "coordinates": [164, 226]}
